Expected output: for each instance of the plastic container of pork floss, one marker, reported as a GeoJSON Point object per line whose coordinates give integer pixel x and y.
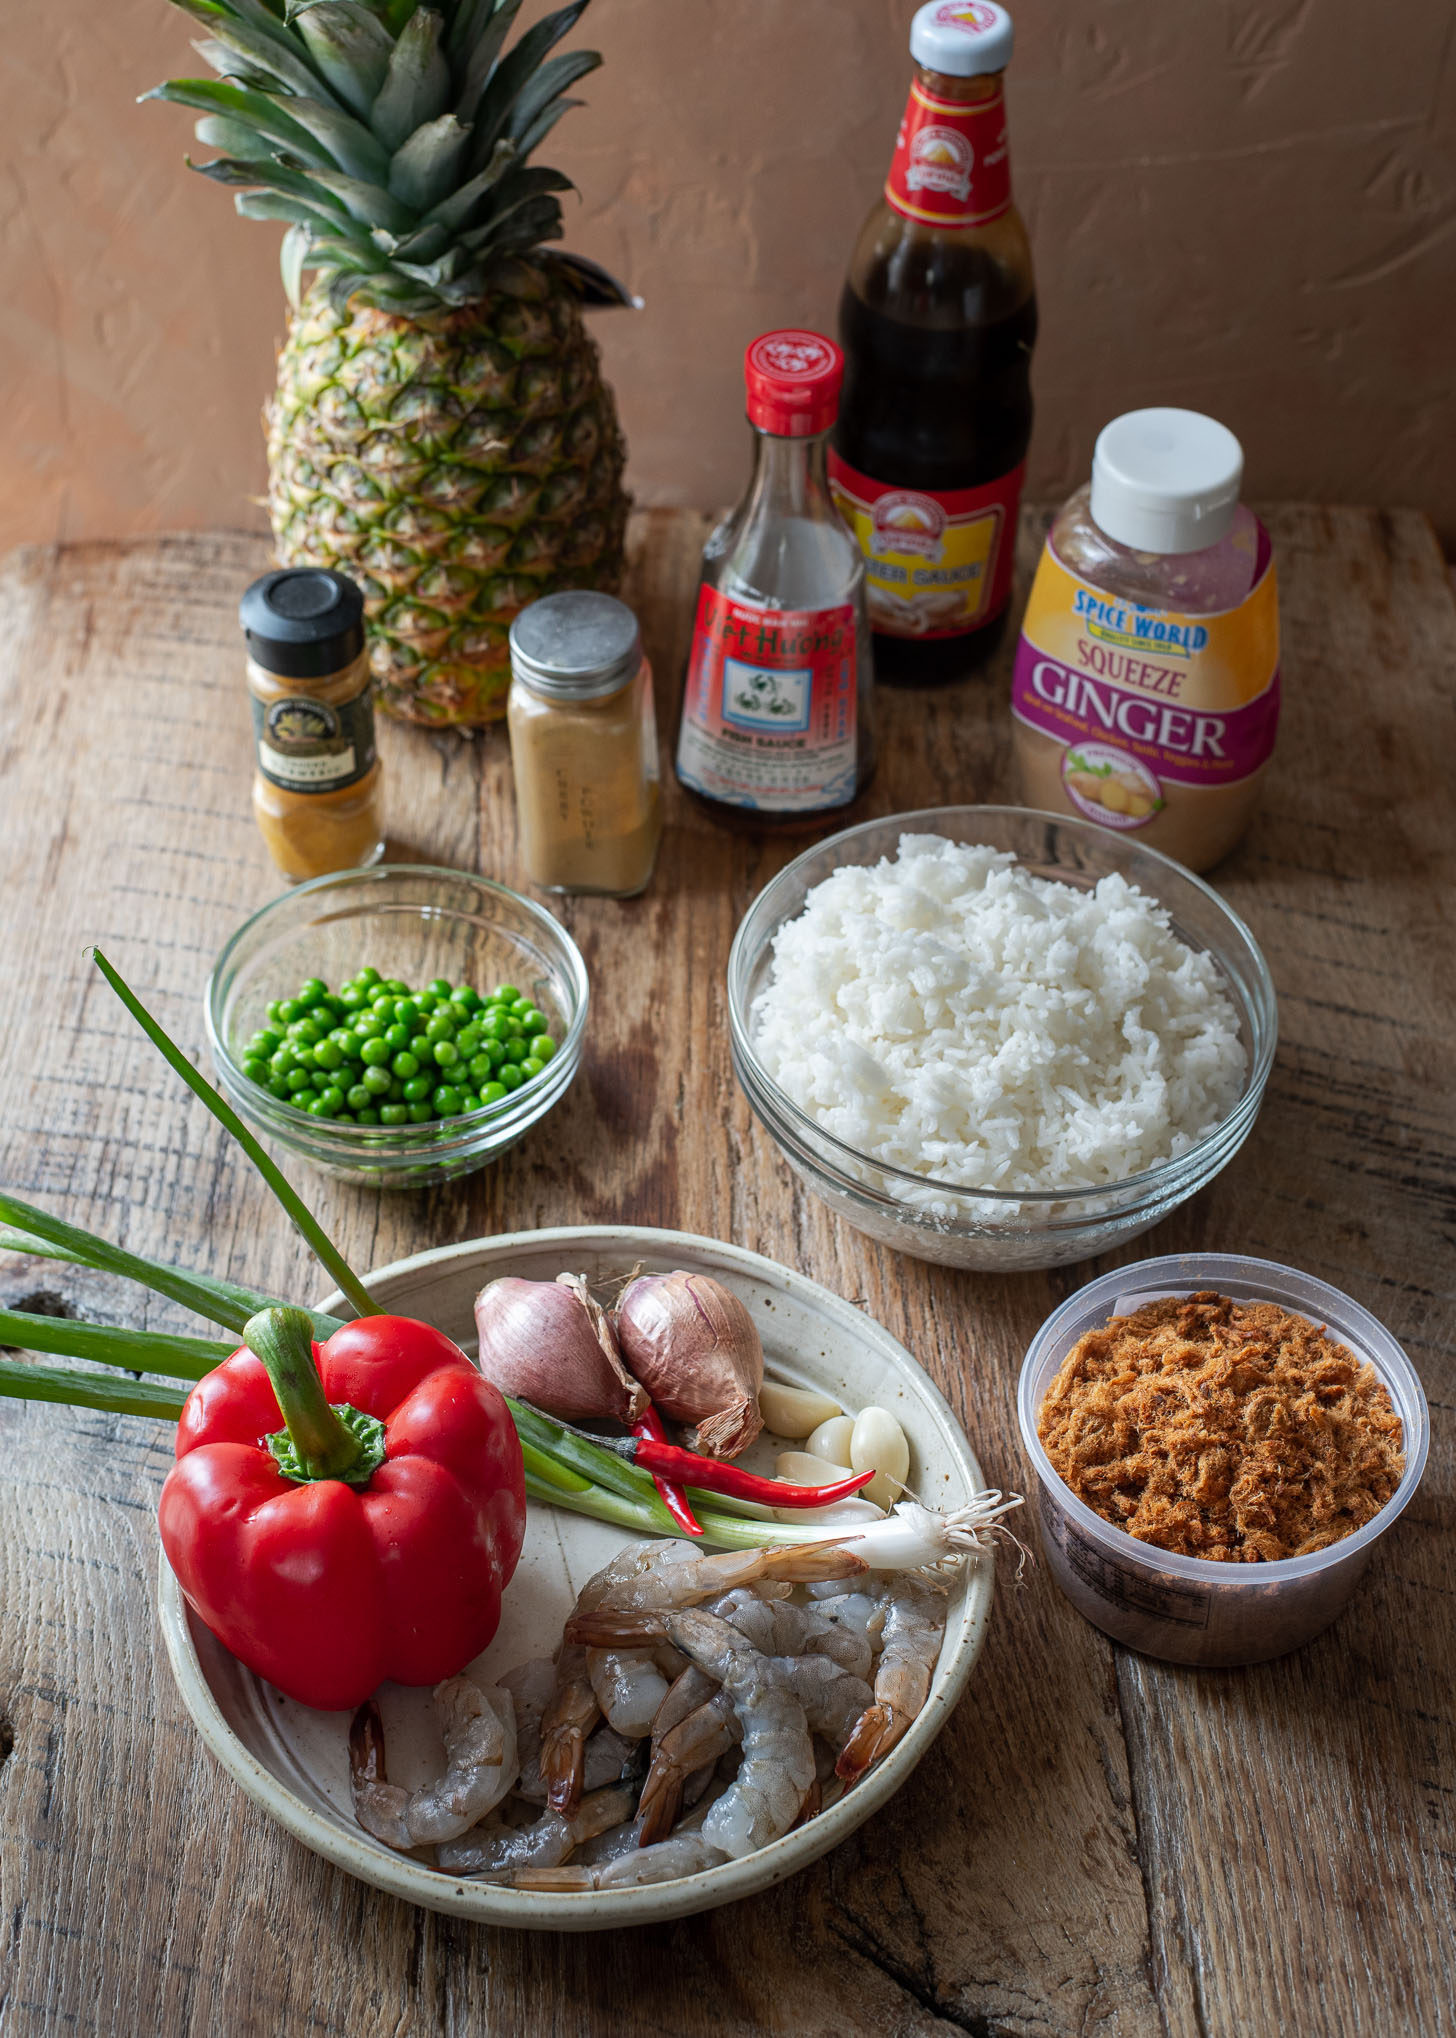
{"type": "Point", "coordinates": [1190, 1609]}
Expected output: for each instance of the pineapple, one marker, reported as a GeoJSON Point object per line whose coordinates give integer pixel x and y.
{"type": "Point", "coordinates": [441, 430]}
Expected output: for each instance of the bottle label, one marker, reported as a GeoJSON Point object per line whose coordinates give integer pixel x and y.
{"type": "Point", "coordinates": [1145, 699]}
{"type": "Point", "coordinates": [306, 746]}
{"type": "Point", "coordinates": [951, 165]}
{"type": "Point", "coordinates": [769, 715]}
{"type": "Point", "coordinates": [937, 562]}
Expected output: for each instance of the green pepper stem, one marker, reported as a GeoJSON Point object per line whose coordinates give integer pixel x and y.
{"type": "Point", "coordinates": [322, 1444]}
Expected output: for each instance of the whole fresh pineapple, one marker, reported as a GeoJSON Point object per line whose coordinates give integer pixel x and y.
{"type": "Point", "coordinates": [441, 430]}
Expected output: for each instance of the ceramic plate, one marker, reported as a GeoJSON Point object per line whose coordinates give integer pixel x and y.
{"type": "Point", "coordinates": [293, 1761]}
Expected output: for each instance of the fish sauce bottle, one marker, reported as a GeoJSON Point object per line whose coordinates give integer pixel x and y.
{"type": "Point", "coordinates": [938, 320]}
{"type": "Point", "coordinates": [777, 723]}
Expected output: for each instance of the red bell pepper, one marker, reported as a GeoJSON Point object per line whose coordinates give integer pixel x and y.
{"type": "Point", "coordinates": [348, 1512]}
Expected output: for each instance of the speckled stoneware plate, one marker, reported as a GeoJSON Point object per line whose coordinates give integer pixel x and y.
{"type": "Point", "coordinates": [293, 1761]}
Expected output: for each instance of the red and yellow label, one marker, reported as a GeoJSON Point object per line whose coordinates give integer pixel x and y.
{"type": "Point", "coordinates": [937, 563]}
{"type": "Point", "coordinates": [951, 165]}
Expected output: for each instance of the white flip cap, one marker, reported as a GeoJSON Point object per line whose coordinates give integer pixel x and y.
{"type": "Point", "coordinates": [1166, 480]}
{"type": "Point", "coordinates": [961, 38]}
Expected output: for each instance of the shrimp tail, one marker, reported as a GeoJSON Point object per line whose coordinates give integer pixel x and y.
{"type": "Point", "coordinates": [609, 1627]}
{"type": "Point", "coordinates": [875, 1733]}
{"type": "Point", "coordinates": [563, 1760]}
{"type": "Point", "coordinates": [366, 1745]}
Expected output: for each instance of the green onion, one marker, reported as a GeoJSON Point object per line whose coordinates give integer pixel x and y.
{"type": "Point", "coordinates": [221, 1302]}
{"type": "Point", "coordinates": [134, 1351]}
{"type": "Point", "coordinates": [328, 1253]}
{"type": "Point", "coordinates": [20, 1382]}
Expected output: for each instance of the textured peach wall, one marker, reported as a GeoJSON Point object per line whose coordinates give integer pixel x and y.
{"type": "Point", "coordinates": [1244, 205]}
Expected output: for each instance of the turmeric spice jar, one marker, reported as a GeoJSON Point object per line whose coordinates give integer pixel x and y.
{"type": "Point", "coordinates": [584, 746]}
{"type": "Point", "coordinates": [316, 786]}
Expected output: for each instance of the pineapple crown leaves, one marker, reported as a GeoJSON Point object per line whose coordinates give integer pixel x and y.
{"type": "Point", "coordinates": [391, 137]}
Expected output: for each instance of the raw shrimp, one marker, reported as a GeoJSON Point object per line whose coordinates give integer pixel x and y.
{"type": "Point", "coordinates": [629, 1687]}
{"type": "Point", "coordinates": [567, 1721]}
{"type": "Point", "coordinates": [494, 1849]}
{"type": "Point", "coordinates": [780, 1628]}
{"type": "Point", "coordinates": [914, 1625]}
{"type": "Point", "coordinates": [692, 1745]}
{"type": "Point", "coordinates": [862, 1612]}
{"type": "Point", "coordinates": [778, 1753]}
{"type": "Point", "coordinates": [480, 1767]}
{"type": "Point", "coordinates": [670, 1573]}
{"type": "Point", "coordinates": [683, 1854]}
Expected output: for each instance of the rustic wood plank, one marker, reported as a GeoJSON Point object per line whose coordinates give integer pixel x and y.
{"type": "Point", "coordinates": [1097, 1843]}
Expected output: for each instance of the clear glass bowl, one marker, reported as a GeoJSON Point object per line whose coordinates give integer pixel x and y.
{"type": "Point", "coordinates": [994, 1230]}
{"type": "Point", "coordinates": [1188, 1609]}
{"type": "Point", "coordinates": [414, 922]}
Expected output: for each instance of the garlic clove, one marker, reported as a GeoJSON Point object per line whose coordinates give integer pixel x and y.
{"type": "Point", "coordinates": [878, 1444]}
{"type": "Point", "coordinates": [793, 1411]}
{"type": "Point", "coordinates": [801, 1468]}
{"type": "Point", "coordinates": [831, 1439]}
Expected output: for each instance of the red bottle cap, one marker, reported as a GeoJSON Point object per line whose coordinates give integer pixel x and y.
{"type": "Point", "coordinates": [793, 382]}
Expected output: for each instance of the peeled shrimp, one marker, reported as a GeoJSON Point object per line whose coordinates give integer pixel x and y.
{"type": "Point", "coordinates": [778, 1753]}
{"type": "Point", "coordinates": [494, 1849]}
{"type": "Point", "coordinates": [781, 1628]}
{"type": "Point", "coordinates": [914, 1625]}
{"type": "Point", "coordinates": [480, 1767]}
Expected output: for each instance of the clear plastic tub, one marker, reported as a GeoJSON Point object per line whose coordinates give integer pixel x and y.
{"type": "Point", "coordinates": [1188, 1609]}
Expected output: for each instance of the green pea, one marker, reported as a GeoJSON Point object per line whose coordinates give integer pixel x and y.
{"type": "Point", "coordinates": [367, 1115]}
{"type": "Point", "coordinates": [305, 1099]}
{"type": "Point", "coordinates": [465, 995]}
{"type": "Point", "coordinates": [398, 1038]}
{"type": "Point", "coordinates": [496, 1049]}
{"type": "Point", "coordinates": [492, 1093]}
{"type": "Point", "coordinates": [312, 987]}
{"type": "Point", "coordinates": [306, 1057]}
{"type": "Point", "coordinates": [446, 1053]}
{"type": "Point", "coordinates": [349, 1044]}
{"type": "Point", "coordinates": [358, 1095]}
{"type": "Point", "coordinates": [290, 1011]}
{"type": "Point", "coordinates": [396, 1090]}
{"type": "Point", "coordinates": [368, 1026]}
{"type": "Point", "coordinates": [366, 976]}
{"type": "Point", "coordinates": [376, 1081]}
{"type": "Point", "coordinates": [383, 1008]}
{"type": "Point", "coordinates": [406, 1011]}
{"type": "Point", "coordinates": [278, 1087]}
{"type": "Point", "coordinates": [496, 1027]}
{"type": "Point", "coordinates": [480, 1068]}
{"type": "Point", "coordinates": [351, 997]}
{"type": "Point", "coordinates": [446, 1100]}
{"type": "Point", "coordinates": [327, 1056]}
{"type": "Point", "coordinates": [516, 1049]}
{"type": "Point", "coordinates": [505, 994]}
{"type": "Point", "coordinates": [427, 1001]}
{"type": "Point", "coordinates": [396, 987]}
{"type": "Point", "coordinates": [297, 1080]}
{"type": "Point", "coordinates": [374, 1052]}
{"type": "Point", "coordinates": [333, 1096]}
{"type": "Point", "coordinates": [543, 1047]}
{"type": "Point", "coordinates": [420, 1112]}
{"type": "Point", "coordinates": [532, 1022]}
{"type": "Point", "coordinates": [284, 1060]}
{"type": "Point", "coordinates": [394, 1114]}
{"type": "Point", "coordinates": [418, 1088]}
{"type": "Point", "coordinates": [438, 987]}
{"type": "Point", "coordinates": [275, 1013]}
{"type": "Point", "coordinates": [469, 1101]}
{"type": "Point", "coordinates": [264, 1043]}
{"type": "Point", "coordinates": [344, 1118]}
{"type": "Point", "coordinates": [255, 1068]}
{"type": "Point", "coordinates": [531, 1067]}
{"type": "Point", "coordinates": [510, 1074]}
{"type": "Point", "coordinates": [405, 1064]}
{"type": "Point", "coordinates": [468, 1041]}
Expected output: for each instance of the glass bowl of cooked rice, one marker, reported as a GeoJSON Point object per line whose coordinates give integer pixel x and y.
{"type": "Point", "coordinates": [997, 1038]}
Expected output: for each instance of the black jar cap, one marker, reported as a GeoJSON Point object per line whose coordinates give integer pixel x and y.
{"type": "Point", "coordinates": [303, 622]}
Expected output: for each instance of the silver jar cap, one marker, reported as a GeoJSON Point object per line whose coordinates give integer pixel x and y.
{"type": "Point", "coordinates": [575, 647]}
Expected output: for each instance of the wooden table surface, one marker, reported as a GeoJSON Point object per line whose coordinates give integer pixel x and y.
{"type": "Point", "coordinates": [1097, 1843]}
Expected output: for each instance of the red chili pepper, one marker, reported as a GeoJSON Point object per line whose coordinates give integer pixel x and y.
{"type": "Point", "coordinates": [711, 1475]}
{"type": "Point", "coordinates": [649, 1428]}
{"type": "Point", "coordinates": [372, 1535]}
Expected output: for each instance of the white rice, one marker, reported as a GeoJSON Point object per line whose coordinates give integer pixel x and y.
{"type": "Point", "coordinates": [947, 1013]}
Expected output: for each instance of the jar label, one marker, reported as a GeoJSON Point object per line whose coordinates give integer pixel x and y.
{"type": "Point", "coordinates": [306, 746]}
{"type": "Point", "coordinates": [937, 562]}
{"type": "Point", "coordinates": [951, 165]}
{"type": "Point", "coordinates": [769, 714]}
{"type": "Point", "coordinates": [1143, 697]}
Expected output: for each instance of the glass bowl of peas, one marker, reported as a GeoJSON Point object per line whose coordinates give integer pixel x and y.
{"type": "Point", "coordinates": [397, 1026]}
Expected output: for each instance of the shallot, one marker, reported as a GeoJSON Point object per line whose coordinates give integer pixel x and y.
{"type": "Point", "coordinates": [552, 1343]}
{"type": "Point", "coordinates": [693, 1346]}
